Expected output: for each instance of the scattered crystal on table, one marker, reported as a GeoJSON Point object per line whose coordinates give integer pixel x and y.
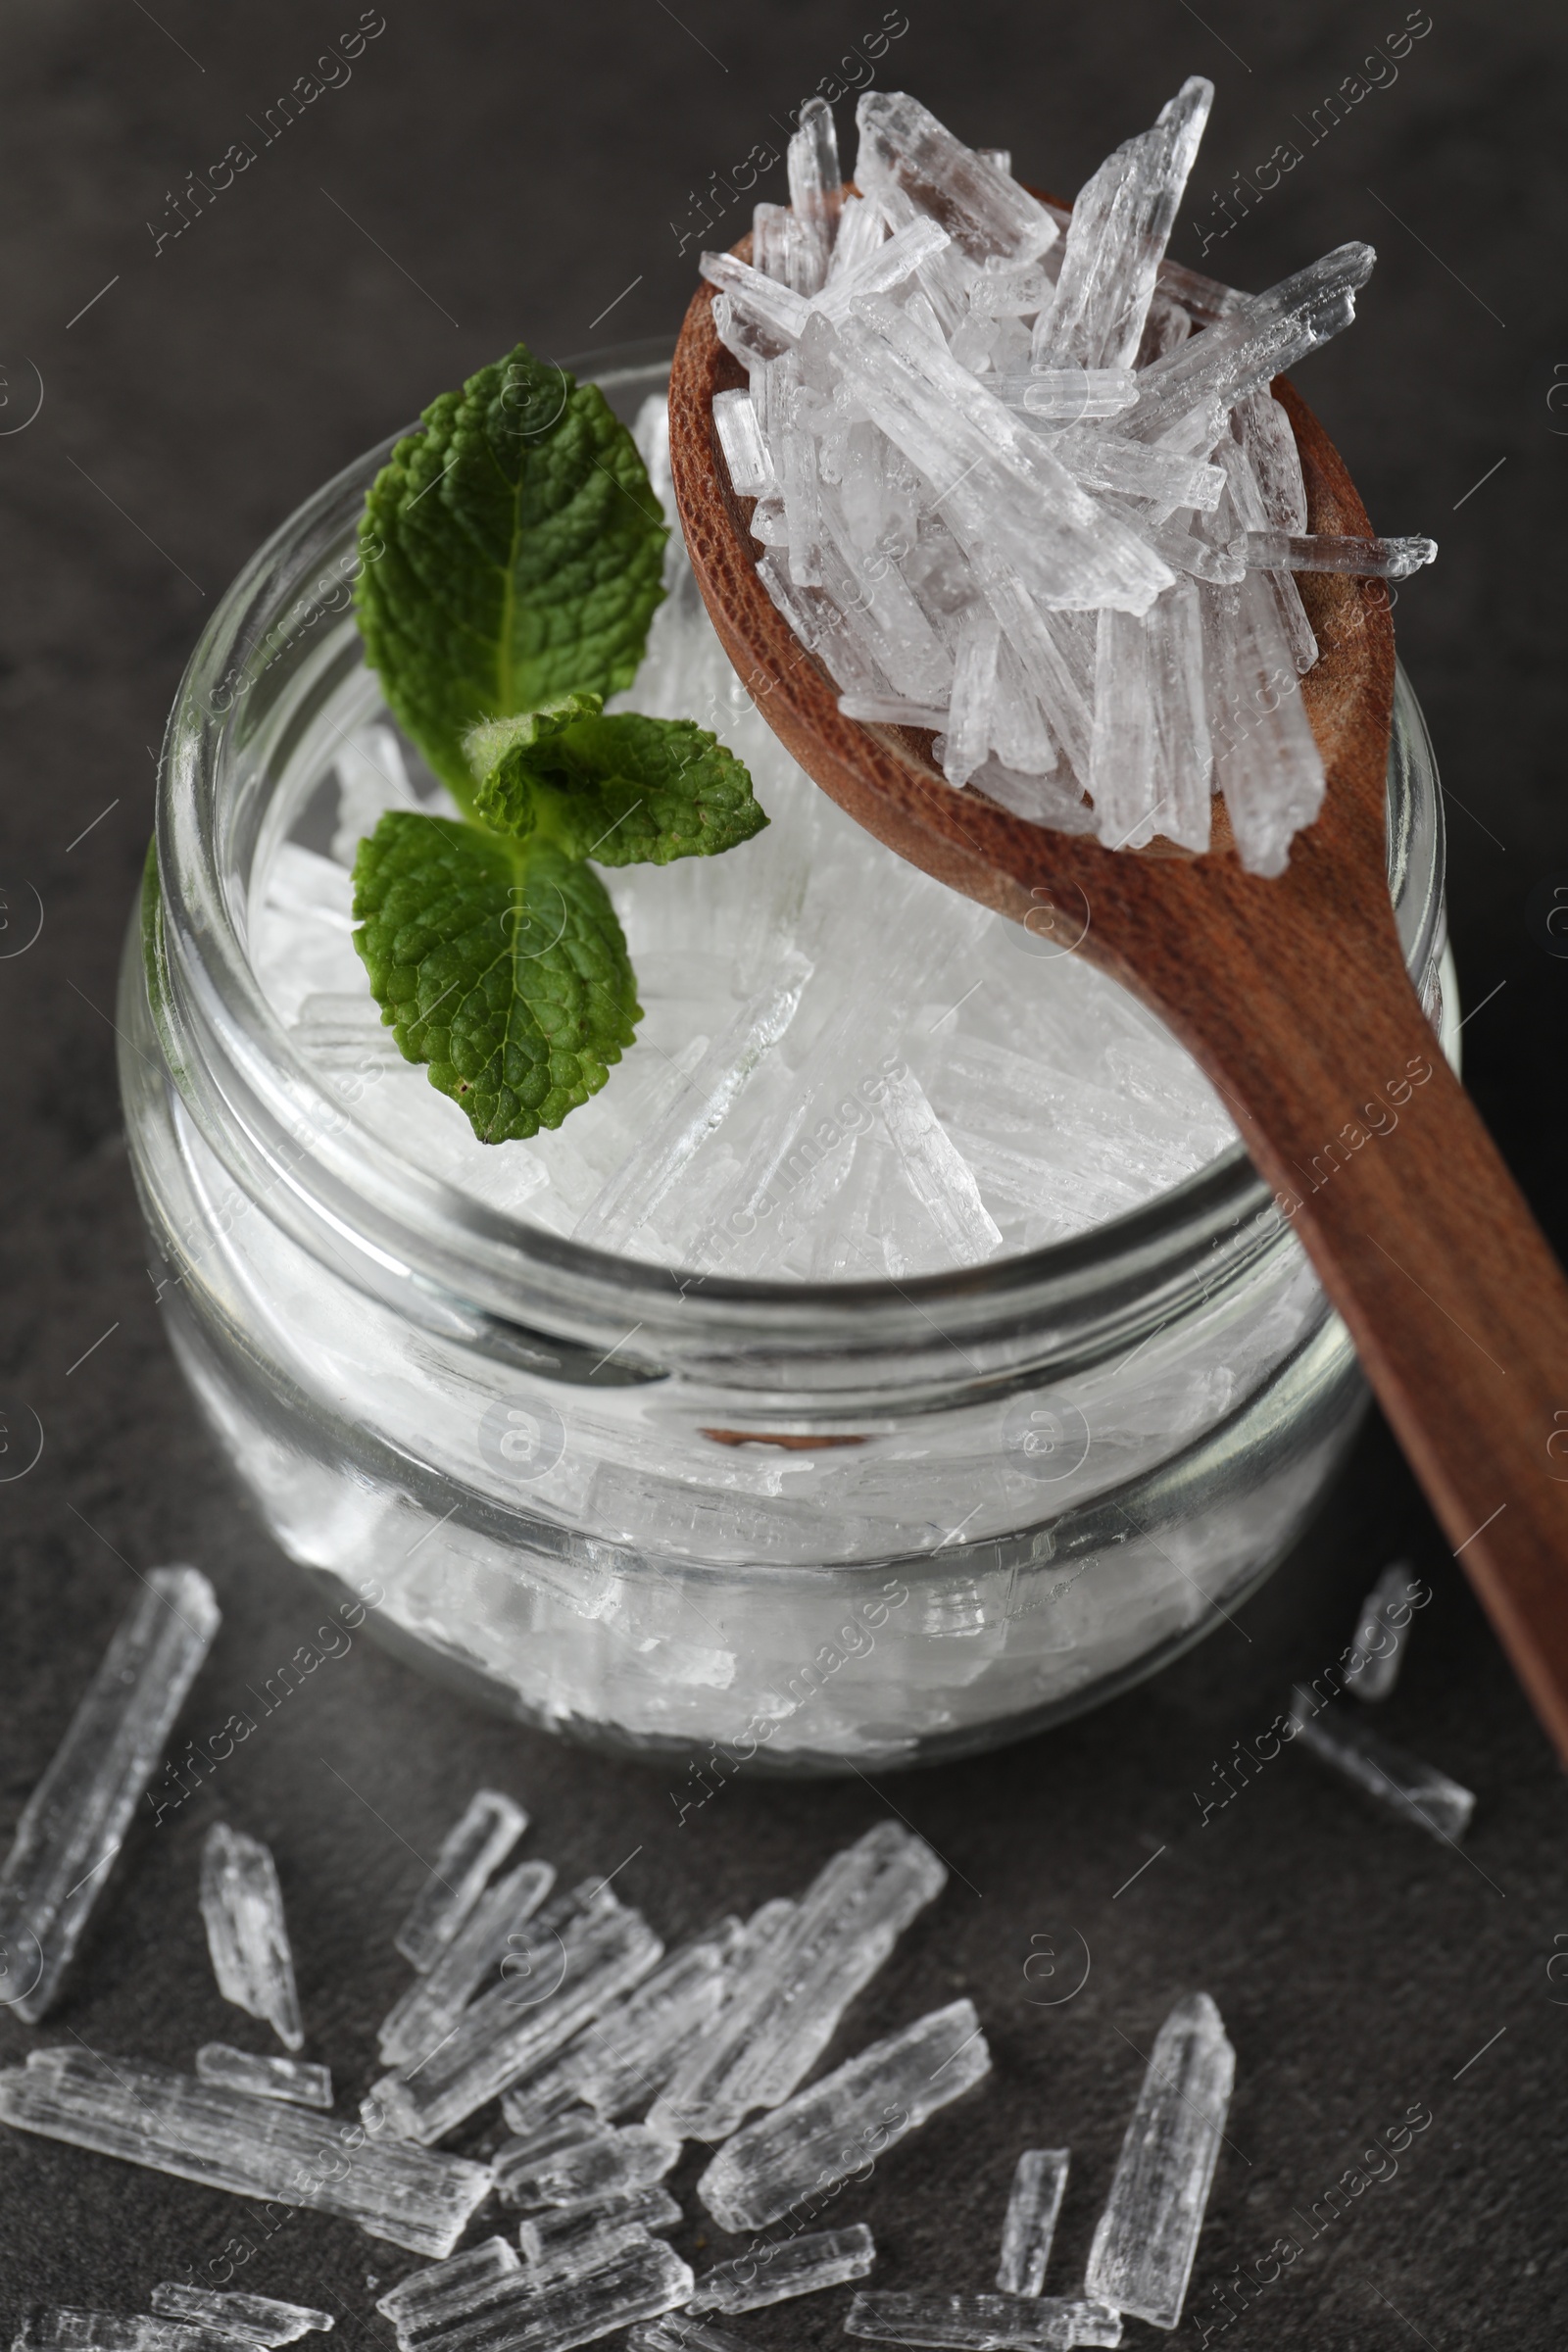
{"type": "Point", "coordinates": [1146, 2237]}
{"type": "Point", "coordinates": [1039, 2184]}
{"type": "Point", "coordinates": [476, 1951]}
{"type": "Point", "coordinates": [428, 2302]}
{"type": "Point", "coordinates": [858, 2111]}
{"type": "Point", "coordinates": [984, 2323]}
{"type": "Point", "coordinates": [472, 1848]}
{"type": "Point", "coordinates": [1382, 1632]}
{"type": "Point", "coordinates": [242, 1906]}
{"type": "Point", "coordinates": [73, 1824]}
{"type": "Point", "coordinates": [776, 2274]}
{"type": "Point", "coordinates": [171, 2123]}
{"type": "Point", "coordinates": [584, 1951]}
{"type": "Point", "coordinates": [1402, 1783]}
{"type": "Point", "coordinates": [258, 2319]}
{"type": "Point", "coordinates": [790, 1995]}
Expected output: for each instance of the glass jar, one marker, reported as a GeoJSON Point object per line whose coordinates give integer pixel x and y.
{"type": "Point", "coordinates": [744, 1524]}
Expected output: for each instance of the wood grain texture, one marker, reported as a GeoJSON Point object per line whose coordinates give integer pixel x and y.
{"type": "Point", "coordinates": [1293, 995]}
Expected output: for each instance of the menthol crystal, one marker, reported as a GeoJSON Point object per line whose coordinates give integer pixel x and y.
{"type": "Point", "coordinates": [428, 2302]}
{"type": "Point", "coordinates": [1039, 2184]}
{"type": "Point", "coordinates": [640, 2279]}
{"type": "Point", "coordinates": [58, 2328]}
{"type": "Point", "coordinates": [573, 1960]}
{"type": "Point", "coordinates": [258, 2319]}
{"type": "Point", "coordinates": [171, 2123]}
{"type": "Point", "coordinates": [71, 1826]}
{"type": "Point", "coordinates": [475, 1846]}
{"type": "Point", "coordinates": [789, 1996]}
{"type": "Point", "coordinates": [1407, 1786]}
{"type": "Point", "coordinates": [984, 2323]}
{"type": "Point", "coordinates": [776, 2274]}
{"type": "Point", "coordinates": [1146, 2236]}
{"type": "Point", "coordinates": [474, 1954]}
{"type": "Point", "coordinates": [242, 1906]}
{"type": "Point", "coordinates": [858, 2112]}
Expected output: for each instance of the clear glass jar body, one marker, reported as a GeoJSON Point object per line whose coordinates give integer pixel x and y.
{"type": "Point", "coordinates": [774, 1526]}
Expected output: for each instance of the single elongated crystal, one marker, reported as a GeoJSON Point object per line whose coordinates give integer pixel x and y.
{"type": "Point", "coordinates": [1116, 240]}
{"type": "Point", "coordinates": [1266, 759]}
{"type": "Point", "coordinates": [1039, 2186]}
{"type": "Point", "coordinates": [1272, 333]}
{"type": "Point", "coordinates": [1122, 755]}
{"type": "Point", "coordinates": [1146, 2236]}
{"type": "Point", "coordinates": [73, 1823]}
{"type": "Point", "coordinates": [1322, 551]}
{"type": "Point", "coordinates": [776, 2274]}
{"type": "Point", "coordinates": [575, 1963]}
{"type": "Point", "coordinates": [58, 2328]}
{"type": "Point", "coordinates": [861, 2109]}
{"type": "Point", "coordinates": [803, 1971]}
{"type": "Point", "coordinates": [1276, 461]}
{"type": "Point", "coordinates": [751, 468]}
{"type": "Point", "coordinates": [555, 2235]}
{"type": "Point", "coordinates": [602, 2162]}
{"type": "Point", "coordinates": [641, 2279]}
{"type": "Point", "coordinates": [433, 2003]}
{"type": "Point", "coordinates": [171, 2123]}
{"type": "Point", "coordinates": [258, 2319]}
{"type": "Point", "coordinates": [424, 2305]}
{"type": "Point", "coordinates": [1382, 1632]}
{"type": "Point", "coordinates": [1183, 755]}
{"type": "Point", "coordinates": [763, 300]}
{"type": "Point", "coordinates": [1405, 1784]}
{"type": "Point", "coordinates": [292, 2078]}
{"type": "Point", "coordinates": [984, 2323]}
{"type": "Point", "coordinates": [974, 681]}
{"type": "Point", "coordinates": [816, 182]}
{"type": "Point", "coordinates": [940, 1176]}
{"type": "Point", "coordinates": [242, 1907]}
{"type": "Point", "coordinates": [472, 1850]}
{"type": "Point", "coordinates": [904, 150]}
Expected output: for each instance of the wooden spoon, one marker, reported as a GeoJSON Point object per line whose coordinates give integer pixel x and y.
{"type": "Point", "coordinates": [1293, 995]}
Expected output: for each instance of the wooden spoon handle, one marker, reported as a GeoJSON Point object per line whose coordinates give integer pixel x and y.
{"type": "Point", "coordinates": [1422, 1240]}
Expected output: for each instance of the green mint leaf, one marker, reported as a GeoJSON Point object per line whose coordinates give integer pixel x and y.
{"type": "Point", "coordinates": [512, 552]}
{"type": "Point", "coordinates": [500, 963]}
{"type": "Point", "coordinates": [625, 790]}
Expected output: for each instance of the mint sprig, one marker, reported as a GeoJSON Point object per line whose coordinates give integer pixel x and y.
{"type": "Point", "coordinates": [518, 552]}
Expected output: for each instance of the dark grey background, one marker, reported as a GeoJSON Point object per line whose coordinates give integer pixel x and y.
{"type": "Point", "coordinates": [490, 171]}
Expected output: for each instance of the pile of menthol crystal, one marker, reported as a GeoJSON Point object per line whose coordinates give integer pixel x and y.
{"type": "Point", "coordinates": [1007, 490]}
{"type": "Point", "coordinates": [606, 2054]}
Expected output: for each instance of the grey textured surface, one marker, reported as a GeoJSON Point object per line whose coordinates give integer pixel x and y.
{"type": "Point", "coordinates": [489, 171]}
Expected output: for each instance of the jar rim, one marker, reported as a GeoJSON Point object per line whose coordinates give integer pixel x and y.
{"type": "Point", "coordinates": [283, 1131]}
